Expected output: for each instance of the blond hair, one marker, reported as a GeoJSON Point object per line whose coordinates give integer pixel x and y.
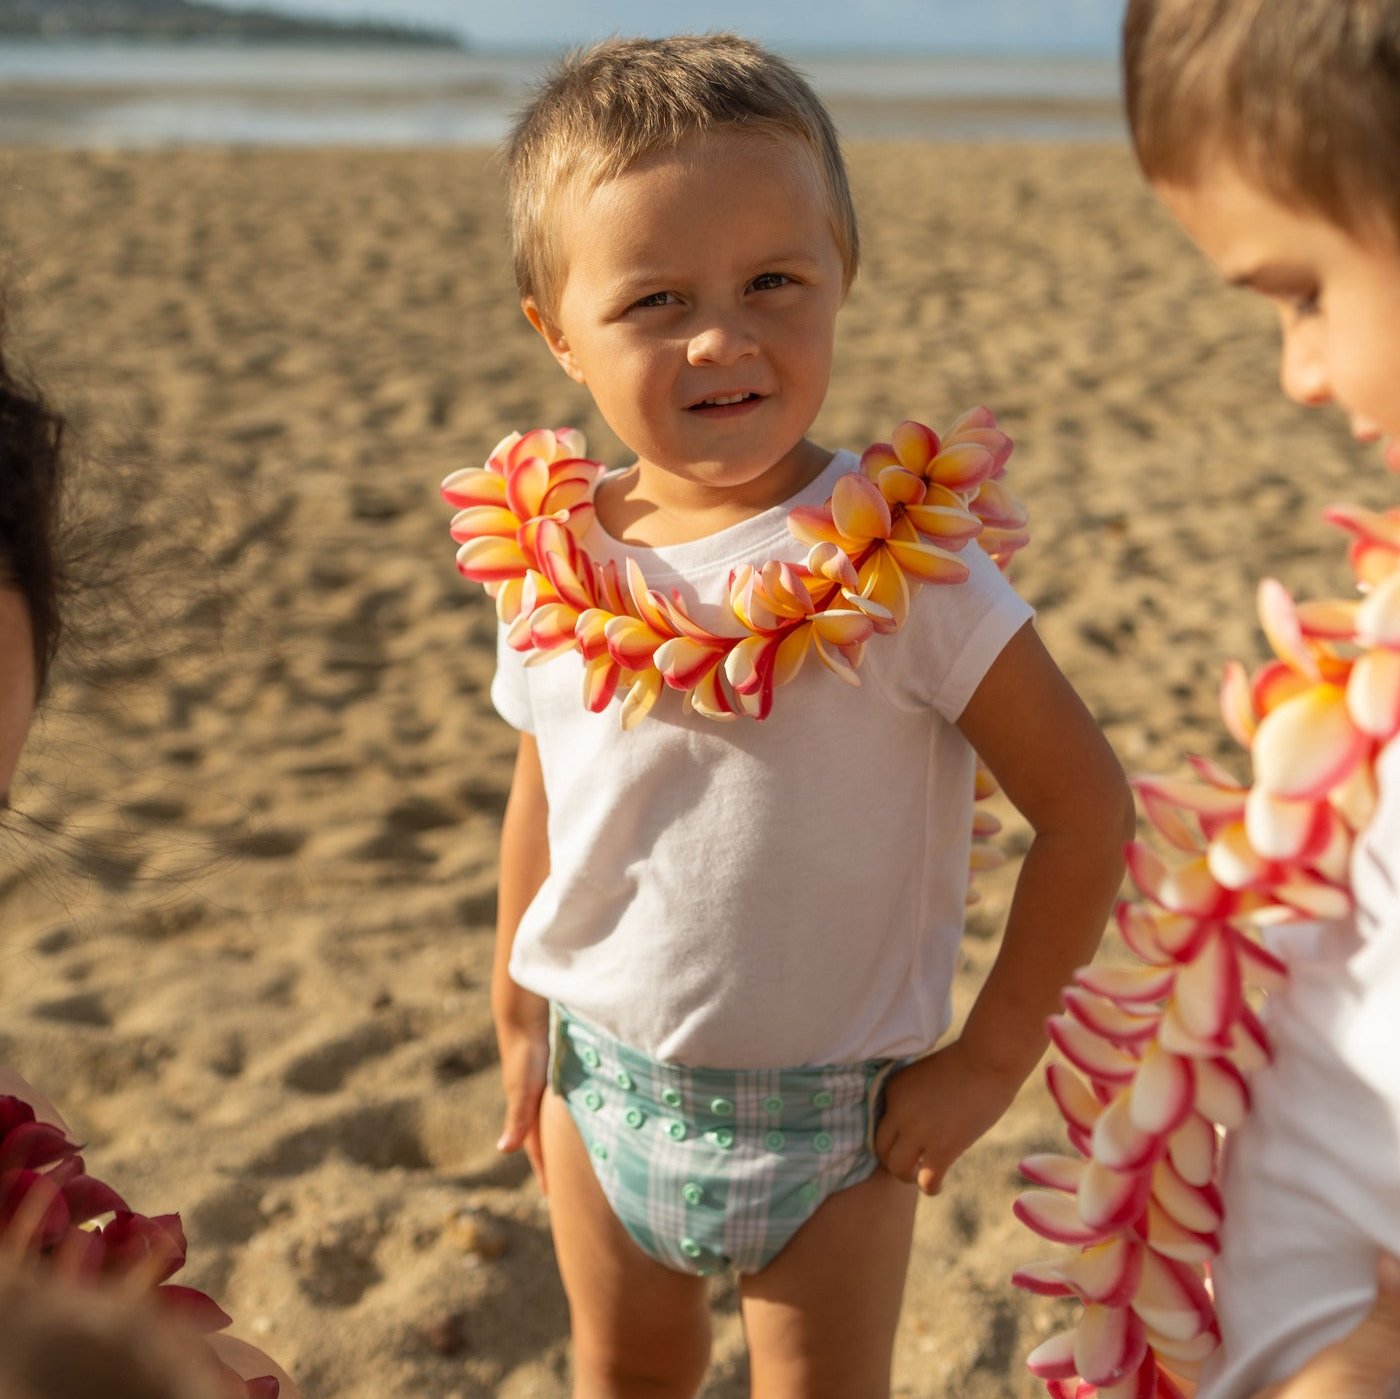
{"type": "Point", "coordinates": [1302, 95]}
{"type": "Point", "coordinates": [605, 107]}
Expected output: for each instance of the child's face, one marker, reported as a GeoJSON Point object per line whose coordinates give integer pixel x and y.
{"type": "Point", "coordinates": [1338, 295]}
{"type": "Point", "coordinates": [699, 307]}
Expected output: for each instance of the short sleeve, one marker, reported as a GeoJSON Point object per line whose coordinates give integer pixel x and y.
{"type": "Point", "coordinates": [953, 634]}
{"type": "Point", "coordinates": [510, 689]}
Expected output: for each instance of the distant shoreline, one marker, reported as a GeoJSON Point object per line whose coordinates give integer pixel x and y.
{"type": "Point", "coordinates": [194, 22]}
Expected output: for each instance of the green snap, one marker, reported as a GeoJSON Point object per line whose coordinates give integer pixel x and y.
{"type": "Point", "coordinates": [624, 1081]}
{"type": "Point", "coordinates": [690, 1248]}
{"type": "Point", "coordinates": [691, 1193]}
{"type": "Point", "coordinates": [722, 1107]}
{"type": "Point", "coordinates": [822, 1141]}
{"type": "Point", "coordinates": [589, 1055]}
{"type": "Point", "coordinates": [593, 1100]}
{"type": "Point", "coordinates": [676, 1131]}
{"type": "Point", "coordinates": [773, 1141]}
{"type": "Point", "coordinates": [772, 1103]}
{"type": "Point", "coordinates": [634, 1117]}
{"type": "Point", "coordinates": [722, 1137]}
{"type": "Point", "coordinates": [822, 1099]}
{"type": "Point", "coordinates": [670, 1097]}
{"type": "Point", "coordinates": [600, 1151]}
{"type": "Point", "coordinates": [808, 1193]}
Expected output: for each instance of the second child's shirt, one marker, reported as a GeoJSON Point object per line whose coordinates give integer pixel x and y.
{"type": "Point", "coordinates": [768, 894]}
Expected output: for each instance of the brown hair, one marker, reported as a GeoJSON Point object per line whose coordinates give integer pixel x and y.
{"type": "Point", "coordinates": [1303, 95]}
{"type": "Point", "coordinates": [605, 107]}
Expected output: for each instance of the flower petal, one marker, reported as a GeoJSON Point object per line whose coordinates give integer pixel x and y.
{"type": "Point", "coordinates": [1109, 1199]}
{"type": "Point", "coordinates": [472, 486]}
{"type": "Point", "coordinates": [1193, 1148]}
{"type": "Point", "coordinates": [1129, 986]}
{"type": "Point", "coordinates": [683, 663]}
{"type": "Point", "coordinates": [488, 559]}
{"type": "Point", "coordinates": [483, 519]}
{"type": "Point", "coordinates": [962, 466]}
{"type": "Point", "coordinates": [1222, 1095]}
{"type": "Point", "coordinates": [1373, 694]}
{"type": "Point", "coordinates": [1109, 1343]}
{"type": "Point", "coordinates": [1197, 1207]}
{"type": "Point", "coordinates": [1055, 1217]}
{"type": "Point", "coordinates": [1091, 1055]}
{"type": "Point", "coordinates": [1077, 1103]}
{"type": "Point", "coordinates": [1307, 745]}
{"type": "Point", "coordinates": [641, 695]}
{"type": "Point", "coordinates": [1163, 1092]}
{"type": "Point", "coordinates": [1054, 1171]}
{"type": "Point", "coordinates": [927, 562]}
{"type": "Point", "coordinates": [1172, 1299]}
{"type": "Point", "coordinates": [914, 445]}
{"type": "Point", "coordinates": [1208, 993]}
{"type": "Point", "coordinates": [1054, 1359]}
{"type": "Point", "coordinates": [1279, 618]}
{"type": "Point", "coordinates": [858, 509]}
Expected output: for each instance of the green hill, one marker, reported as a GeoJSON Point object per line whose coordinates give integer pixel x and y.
{"type": "Point", "coordinates": [177, 21]}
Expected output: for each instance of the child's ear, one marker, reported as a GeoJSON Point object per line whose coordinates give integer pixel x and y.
{"type": "Point", "coordinates": [554, 338]}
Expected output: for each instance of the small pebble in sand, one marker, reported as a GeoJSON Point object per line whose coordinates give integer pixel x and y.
{"type": "Point", "coordinates": [445, 1334]}
{"type": "Point", "coordinates": [477, 1233]}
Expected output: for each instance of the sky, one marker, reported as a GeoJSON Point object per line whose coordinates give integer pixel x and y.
{"type": "Point", "coordinates": [794, 26]}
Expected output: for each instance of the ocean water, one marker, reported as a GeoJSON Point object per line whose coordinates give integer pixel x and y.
{"type": "Point", "coordinates": [142, 96]}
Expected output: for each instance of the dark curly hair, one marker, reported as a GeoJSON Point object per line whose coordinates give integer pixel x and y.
{"type": "Point", "coordinates": [31, 488]}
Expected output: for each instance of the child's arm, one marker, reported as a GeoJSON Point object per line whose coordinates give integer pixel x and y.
{"type": "Point", "coordinates": [1049, 756]}
{"type": "Point", "coordinates": [522, 1018]}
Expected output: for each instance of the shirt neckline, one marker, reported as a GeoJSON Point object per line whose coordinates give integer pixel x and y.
{"type": "Point", "coordinates": [736, 543]}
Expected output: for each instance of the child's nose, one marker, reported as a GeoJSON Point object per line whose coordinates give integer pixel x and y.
{"type": "Point", "coordinates": [720, 340]}
{"type": "Point", "coordinates": [1303, 372]}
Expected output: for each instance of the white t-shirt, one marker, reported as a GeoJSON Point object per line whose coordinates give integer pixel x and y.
{"type": "Point", "coordinates": [1312, 1178]}
{"type": "Point", "coordinates": [766, 894]}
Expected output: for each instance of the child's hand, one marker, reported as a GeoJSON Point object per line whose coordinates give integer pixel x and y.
{"type": "Point", "coordinates": [523, 1037]}
{"type": "Point", "coordinates": [934, 1110]}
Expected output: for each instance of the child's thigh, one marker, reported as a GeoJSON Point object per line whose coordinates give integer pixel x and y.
{"type": "Point", "coordinates": [820, 1318]}
{"type": "Point", "coordinates": [634, 1321]}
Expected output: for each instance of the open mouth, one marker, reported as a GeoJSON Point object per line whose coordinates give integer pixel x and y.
{"type": "Point", "coordinates": [724, 400]}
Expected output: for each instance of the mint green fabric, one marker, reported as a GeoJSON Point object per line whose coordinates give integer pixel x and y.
{"type": "Point", "coordinates": [714, 1168]}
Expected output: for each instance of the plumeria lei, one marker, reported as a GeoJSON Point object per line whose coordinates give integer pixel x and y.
{"type": "Point", "coordinates": [49, 1206]}
{"type": "Point", "coordinates": [1154, 1059]}
{"type": "Point", "coordinates": [897, 521]}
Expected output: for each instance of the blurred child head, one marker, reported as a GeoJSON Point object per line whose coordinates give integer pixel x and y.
{"type": "Point", "coordinates": [1271, 131]}
{"type": "Point", "coordinates": [30, 482]}
{"type": "Point", "coordinates": [606, 107]}
{"type": "Point", "coordinates": [61, 1339]}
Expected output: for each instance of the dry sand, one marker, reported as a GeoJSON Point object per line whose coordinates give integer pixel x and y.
{"type": "Point", "coordinates": [247, 904]}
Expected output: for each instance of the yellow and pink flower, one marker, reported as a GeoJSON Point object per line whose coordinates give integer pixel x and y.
{"type": "Point", "coordinates": [897, 522]}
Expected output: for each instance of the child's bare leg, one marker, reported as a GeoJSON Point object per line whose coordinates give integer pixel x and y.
{"type": "Point", "coordinates": [640, 1330]}
{"type": "Point", "coordinates": [820, 1318]}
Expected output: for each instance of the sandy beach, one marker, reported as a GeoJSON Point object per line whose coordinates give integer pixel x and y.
{"type": "Point", "coordinates": [248, 892]}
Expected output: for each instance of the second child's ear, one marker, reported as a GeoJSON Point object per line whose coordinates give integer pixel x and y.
{"type": "Point", "coordinates": [554, 338]}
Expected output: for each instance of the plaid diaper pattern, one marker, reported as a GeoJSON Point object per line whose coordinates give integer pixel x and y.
{"type": "Point", "coordinates": [712, 1168]}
